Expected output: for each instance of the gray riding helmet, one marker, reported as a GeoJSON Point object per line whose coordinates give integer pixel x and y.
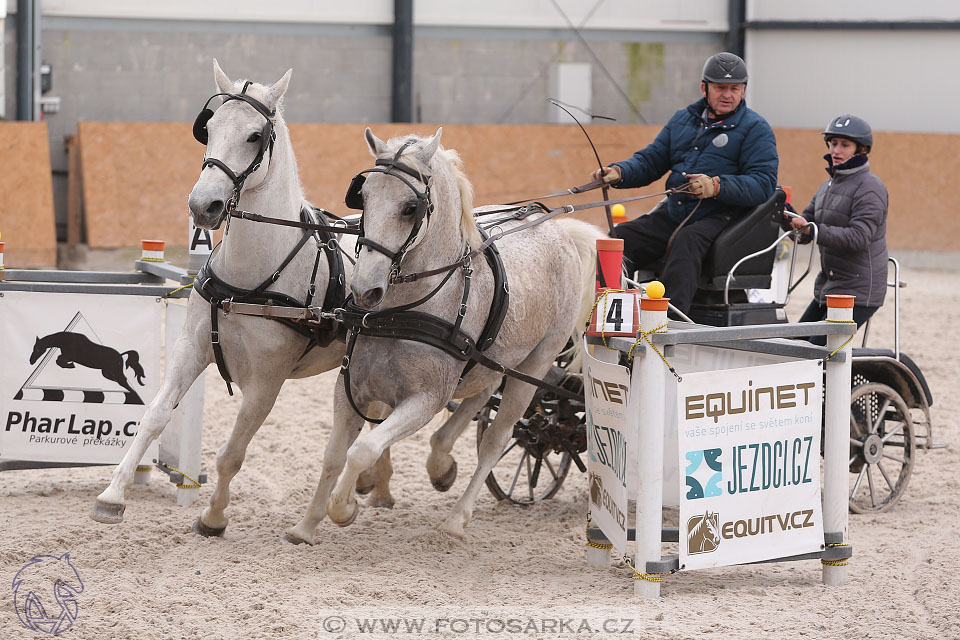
{"type": "Point", "coordinates": [725, 68]}
{"type": "Point", "coordinates": [850, 127]}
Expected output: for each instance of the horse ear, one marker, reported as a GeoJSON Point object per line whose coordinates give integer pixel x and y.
{"type": "Point", "coordinates": [223, 82]}
{"type": "Point", "coordinates": [276, 92]}
{"type": "Point", "coordinates": [376, 144]}
{"type": "Point", "coordinates": [431, 147]}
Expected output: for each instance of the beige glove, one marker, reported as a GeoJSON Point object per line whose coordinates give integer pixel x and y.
{"type": "Point", "coordinates": [611, 175]}
{"type": "Point", "coordinates": [703, 186]}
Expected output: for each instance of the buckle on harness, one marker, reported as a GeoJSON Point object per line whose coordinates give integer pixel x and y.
{"type": "Point", "coordinates": [463, 310]}
{"type": "Point", "coordinates": [345, 363]}
{"type": "Point", "coordinates": [363, 321]}
{"type": "Point", "coordinates": [214, 337]}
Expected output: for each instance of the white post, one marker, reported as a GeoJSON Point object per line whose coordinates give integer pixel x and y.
{"type": "Point", "coordinates": [600, 558]}
{"type": "Point", "coordinates": [180, 442]}
{"type": "Point", "coordinates": [836, 437]}
{"type": "Point", "coordinates": [646, 404]}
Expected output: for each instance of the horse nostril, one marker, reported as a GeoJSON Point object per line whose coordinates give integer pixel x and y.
{"type": "Point", "coordinates": [215, 207]}
{"type": "Point", "coordinates": [373, 297]}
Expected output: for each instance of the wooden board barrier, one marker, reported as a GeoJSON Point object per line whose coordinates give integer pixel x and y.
{"type": "Point", "coordinates": [137, 176]}
{"type": "Point", "coordinates": [26, 196]}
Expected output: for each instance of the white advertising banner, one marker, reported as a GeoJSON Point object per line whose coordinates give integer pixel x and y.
{"type": "Point", "coordinates": [78, 371]}
{"type": "Point", "coordinates": [609, 446]}
{"type": "Point", "coordinates": [749, 455]}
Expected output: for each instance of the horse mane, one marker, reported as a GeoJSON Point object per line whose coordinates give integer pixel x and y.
{"type": "Point", "coordinates": [468, 223]}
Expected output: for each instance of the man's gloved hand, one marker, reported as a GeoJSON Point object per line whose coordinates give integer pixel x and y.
{"type": "Point", "coordinates": [611, 175]}
{"type": "Point", "coordinates": [703, 186]}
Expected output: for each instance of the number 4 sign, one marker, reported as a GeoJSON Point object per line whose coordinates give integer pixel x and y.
{"type": "Point", "coordinates": [615, 313]}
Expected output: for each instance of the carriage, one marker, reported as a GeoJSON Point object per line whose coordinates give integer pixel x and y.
{"type": "Point", "coordinates": [890, 397]}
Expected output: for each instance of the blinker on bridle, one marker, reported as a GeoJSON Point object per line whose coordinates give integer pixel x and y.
{"type": "Point", "coordinates": [267, 137]}
{"type": "Point", "coordinates": [424, 207]}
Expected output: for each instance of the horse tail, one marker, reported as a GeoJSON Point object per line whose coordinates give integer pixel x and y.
{"type": "Point", "coordinates": [134, 363]}
{"type": "Point", "coordinates": [584, 236]}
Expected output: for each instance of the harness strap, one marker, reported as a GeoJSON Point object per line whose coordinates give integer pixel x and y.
{"type": "Point", "coordinates": [217, 350]}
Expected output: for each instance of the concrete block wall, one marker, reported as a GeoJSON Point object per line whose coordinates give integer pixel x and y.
{"type": "Point", "coordinates": [161, 71]}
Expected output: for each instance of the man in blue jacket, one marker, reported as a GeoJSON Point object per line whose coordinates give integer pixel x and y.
{"type": "Point", "coordinates": [723, 154]}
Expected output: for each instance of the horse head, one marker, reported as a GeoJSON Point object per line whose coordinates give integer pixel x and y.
{"type": "Point", "coordinates": [239, 136]}
{"type": "Point", "coordinates": [38, 351]}
{"type": "Point", "coordinates": [416, 202]}
{"type": "Point", "coordinates": [712, 527]}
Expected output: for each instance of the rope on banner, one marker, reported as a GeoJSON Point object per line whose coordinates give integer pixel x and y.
{"type": "Point", "coordinates": [591, 543]}
{"type": "Point", "coordinates": [645, 335]}
{"type": "Point", "coordinates": [852, 335]}
{"type": "Point", "coordinates": [603, 296]}
{"type": "Point", "coordinates": [180, 485]}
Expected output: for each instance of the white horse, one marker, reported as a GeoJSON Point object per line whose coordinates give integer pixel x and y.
{"type": "Point", "coordinates": [259, 353]}
{"type": "Point", "coordinates": [550, 270]}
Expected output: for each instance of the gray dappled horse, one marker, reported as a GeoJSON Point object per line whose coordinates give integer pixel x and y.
{"type": "Point", "coordinates": [417, 221]}
{"type": "Point", "coordinates": [246, 138]}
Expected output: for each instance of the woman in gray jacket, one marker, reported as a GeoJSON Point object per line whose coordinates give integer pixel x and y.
{"type": "Point", "coordinates": [850, 211]}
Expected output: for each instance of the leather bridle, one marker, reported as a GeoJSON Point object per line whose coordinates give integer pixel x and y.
{"type": "Point", "coordinates": [267, 137]}
{"type": "Point", "coordinates": [421, 212]}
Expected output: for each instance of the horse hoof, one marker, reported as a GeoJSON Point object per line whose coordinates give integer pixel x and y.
{"type": "Point", "coordinates": [365, 485]}
{"type": "Point", "coordinates": [444, 482]}
{"type": "Point", "coordinates": [207, 532]}
{"type": "Point", "coordinates": [299, 535]}
{"type": "Point", "coordinates": [107, 513]}
{"type": "Point", "coordinates": [381, 502]}
{"type": "Point", "coordinates": [349, 519]}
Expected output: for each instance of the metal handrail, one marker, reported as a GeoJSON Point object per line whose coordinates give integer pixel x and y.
{"type": "Point", "coordinates": [792, 232]}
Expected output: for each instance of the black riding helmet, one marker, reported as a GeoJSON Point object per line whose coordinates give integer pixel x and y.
{"type": "Point", "coordinates": [725, 68]}
{"type": "Point", "coordinates": [850, 127]}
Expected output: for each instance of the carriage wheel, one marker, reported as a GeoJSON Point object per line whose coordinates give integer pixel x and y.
{"type": "Point", "coordinates": [882, 447]}
{"type": "Point", "coordinates": [534, 464]}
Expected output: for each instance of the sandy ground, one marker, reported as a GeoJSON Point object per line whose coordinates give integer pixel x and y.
{"type": "Point", "coordinates": [150, 577]}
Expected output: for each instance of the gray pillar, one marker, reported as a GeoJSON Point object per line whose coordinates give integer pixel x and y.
{"type": "Point", "coordinates": [402, 100]}
{"type": "Point", "coordinates": [25, 59]}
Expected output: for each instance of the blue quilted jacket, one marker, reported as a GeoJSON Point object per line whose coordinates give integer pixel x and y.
{"type": "Point", "coordinates": [741, 149]}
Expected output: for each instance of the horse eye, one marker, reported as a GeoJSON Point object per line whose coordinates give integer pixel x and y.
{"type": "Point", "coordinates": [254, 137]}
{"type": "Point", "coordinates": [409, 210]}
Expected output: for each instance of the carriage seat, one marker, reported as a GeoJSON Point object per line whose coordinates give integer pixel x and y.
{"type": "Point", "coordinates": [751, 232]}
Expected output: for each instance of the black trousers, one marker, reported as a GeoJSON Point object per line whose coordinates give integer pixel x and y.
{"type": "Point", "coordinates": [816, 312]}
{"type": "Point", "coordinates": [645, 243]}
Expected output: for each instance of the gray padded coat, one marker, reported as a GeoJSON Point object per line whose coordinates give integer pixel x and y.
{"type": "Point", "coordinates": [850, 211]}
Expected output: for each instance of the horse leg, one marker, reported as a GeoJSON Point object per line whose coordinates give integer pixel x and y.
{"type": "Point", "coordinates": [258, 401]}
{"type": "Point", "coordinates": [441, 466]}
{"type": "Point", "coordinates": [376, 479]}
{"type": "Point", "coordinates": [187, 363]}
{"type": "Point", "coordinates": [407, 417]}
{"type": "Point", "coordinates": [516, 398]}
{"type": "Point", "coordinates": [346, 427]}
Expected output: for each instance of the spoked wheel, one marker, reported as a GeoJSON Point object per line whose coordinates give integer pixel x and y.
{"type": "Point", "coordinates": [551, 434]}
{"type": "Point", "coordinates": [882, 447]}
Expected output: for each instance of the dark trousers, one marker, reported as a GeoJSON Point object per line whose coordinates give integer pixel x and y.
{"type": "Point", "coordinates": [645, 243]}
{"type": "Point", "coordinates": [816, 312]}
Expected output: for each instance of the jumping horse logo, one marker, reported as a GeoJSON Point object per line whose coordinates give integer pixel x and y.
{"type": "Point", "coordinates": [45, 594]}
{"type": "Point", "coordinates": [76, 348]}
{"type": "Point", "coordinates": [703, 533]}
